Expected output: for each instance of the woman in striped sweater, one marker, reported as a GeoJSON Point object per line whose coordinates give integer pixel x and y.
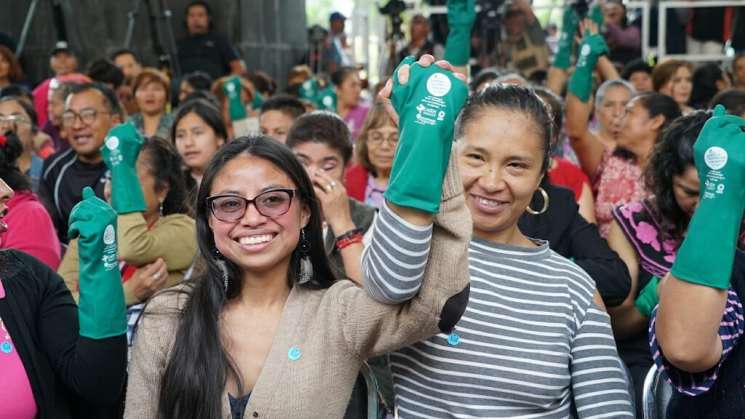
{"type": "Point", "coordinates": [533, 341]}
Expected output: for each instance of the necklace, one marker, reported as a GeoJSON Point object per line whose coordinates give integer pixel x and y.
{"type": "Point", "coordinates": [5, 346]}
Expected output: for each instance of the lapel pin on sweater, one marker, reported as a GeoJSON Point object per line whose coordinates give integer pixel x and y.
{"type": "Point", "coordinates": [294, 353]}
{"type": "Point", "coordinates": [453, 339]}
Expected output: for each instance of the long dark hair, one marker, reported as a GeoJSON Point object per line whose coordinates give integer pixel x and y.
{"type": "Point", "coordinates": [672, 155]}
{"type": "Point", "coordinates": [209, 113]}
{"type": "Point", "coordinates": [165, 166]}
{"type": "Point", "coordinates": [656, 104]}
{"type": "Point", "coordinates": [9, 171]}
{"type": "Point", "coordinates": [198, 368]}
{"type": "Point", "coordinates": [705, 80]}
{"type": "Point", "coordinates": [512, 98]}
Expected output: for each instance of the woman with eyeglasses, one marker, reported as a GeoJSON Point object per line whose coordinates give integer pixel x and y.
{"type": "Point", "coordinates": [18, 117]}
{"type": "Point", "coordinates": [368, 179]}
{"type": "Point", "coordinates": [267, 331]}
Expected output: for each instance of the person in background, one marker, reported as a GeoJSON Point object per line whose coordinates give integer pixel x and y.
{"type": "Point", "coordinates": [59, 89]}
{"type": "Point", "coordinates": [367, 180]}
{"type": "Point", "coordinates": [156, 236]}
{"type": "Point", "coordinates": [733, 101]}
{"type": "Point", "coordinates": [239, 127]}
{"type": "Point", "coordinates": [624, 40]}
{"type": "Point", "coordinates": [674, 78]}
{"type": "Point", "coordinates": [91, 110]}
{"type": "Point", "coordinates": [193, 82]}
{"type": "Point", "coordinates": [10, 69]}
{"type": "Point", "coordinates": [349, 106]}
{"type": "Point", "coordinates": [130, 65]}
{"type": "Point", "coordinates": [62, 61]}
{"type": "Point", "coordinates": [419, 42]}
{"type": "Point", "coordinates": [18, 117]}
{"type": "Point", "coordinates": [524, 48]}
{"type": "Point", "coordinates": [198, 131]}
{"type": "Point", "coordinates": [60, 359]}
{"type": "Point", "coordinates": [639, 74]}
{"type": "Point", "coordinates": [104, 71]}
{"type": "Point", "coordinates": [152, 92]}
{"type": "Point", "coordinates": [611, 99]}
{"type": "Point", "coordinates": [277, 115]}
{"type": "Point", "coordinates": [335, 55]}
{"type": "Point", "coordinates": [708, 80]}
{"type": "Point", "coordinates": [204, 49]}
{"type": "Point", "coordinates": [738, 71]}
{"type": "Point", "coordinates": [28, 225]}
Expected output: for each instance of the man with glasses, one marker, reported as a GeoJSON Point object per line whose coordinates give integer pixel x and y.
{"type": "Point", "coordinates": [91, 110]}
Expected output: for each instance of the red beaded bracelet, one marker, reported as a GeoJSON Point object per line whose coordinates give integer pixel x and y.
{"type": "Point", "coordinates": [343, 242]}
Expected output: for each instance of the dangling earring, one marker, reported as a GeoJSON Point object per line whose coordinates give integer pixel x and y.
{"type": "Point", "coordinates": [224, 269]}
{"type": "Point", "coordinates": [160, 208]}
{"type": "Point", "coordinates": [306, 266]}
{"type": "Point", "coordinates": [544, 194]}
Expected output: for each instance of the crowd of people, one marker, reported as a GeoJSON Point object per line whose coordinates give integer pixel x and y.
{"type": "Point", "coordinates": [500, 245]}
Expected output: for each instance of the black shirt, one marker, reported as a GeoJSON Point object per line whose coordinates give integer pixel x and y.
{"type": "Point", "coordinates": [61, 186]}
{"type": "Point", "coordinates": [571, 236]}
{"type": "Point", "coordinates": [209, 52]}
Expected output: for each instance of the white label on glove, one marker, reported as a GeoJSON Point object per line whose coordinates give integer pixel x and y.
{"type": "Point", "coordinates": [109, 235]}
{"type": "Point", "coordinates": [438, 84]}
{"type": "Point", "coordinates": [715, 158]}
{"type": "Point", "coordinates": [112, 142]}
{"type": "Point", "coordinates": [585, 50]}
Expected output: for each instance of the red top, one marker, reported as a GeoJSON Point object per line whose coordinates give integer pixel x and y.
{"type": "Point", "coordinates": [16, 398]}
{"type": "Point", "coordinates": [30, 229]}
{"type": "Point", "coordinates": [355, 180]}
{"type": "Point", "coordinates": [568, 175]}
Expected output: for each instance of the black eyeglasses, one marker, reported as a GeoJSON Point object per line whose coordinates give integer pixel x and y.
{"type": "Point", "coordinates": [230, 208]}
{"type": "Point", "coordinates": [87, 116]}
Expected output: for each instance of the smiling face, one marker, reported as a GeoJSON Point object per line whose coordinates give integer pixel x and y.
{"type": "Point", "coordinates": [611, 111]}
{"type": "Point", "coordinates": [151, 98]}
{"type": "Point", "coordinates": [196, 141]}
{"type": "Point", "coordinates": [679, 86]}
{"type": "Point", "coordinates": [86, 138]}
{"type": "Point", "coordinates": [500, 157]}
{"type": "Point", "coordinates": [257, 243]}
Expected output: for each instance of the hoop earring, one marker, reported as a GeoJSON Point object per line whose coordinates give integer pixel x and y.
{"type": "Point", "coordinates": [305, 273]}
{"type": "Point", "coordinates": [545, 203]}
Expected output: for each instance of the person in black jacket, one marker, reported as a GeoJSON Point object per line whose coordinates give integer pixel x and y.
{"type": "Point", "coordinates": [50, 369]}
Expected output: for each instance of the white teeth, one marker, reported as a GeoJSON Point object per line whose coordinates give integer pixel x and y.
{"type": "Point", "coordinates": [488, 202]}
{"type": "Point", "coordinates": [255, 239]}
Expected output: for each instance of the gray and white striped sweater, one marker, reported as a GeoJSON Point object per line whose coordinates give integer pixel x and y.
{"type": "Point", "coordinates": [531, 344]}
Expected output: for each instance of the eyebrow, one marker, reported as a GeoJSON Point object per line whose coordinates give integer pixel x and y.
{"type": "Point", "coordinates": [239, 193]}
{"type": "Point", "coordinates": [481, 150]}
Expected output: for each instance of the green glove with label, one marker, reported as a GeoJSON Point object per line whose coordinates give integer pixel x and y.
{"type": "Point", "coordinates": [326, 99]}
{"type": "Point", "coordinates": [461, 15]}
{"type": "Point", "coordinates": [708, 250]}
{"type": "Point", "coordinates": [309, 90]}
{"type": "Point", "coordinates": [590, 50]}
{"type": "Point", "coordinates": [648, 297]}
{"type": "Point", "coordinates": [596, 15]}
{"type": "Point", "coordinates": [101, 307]}
{"type": "Point", "coordinates": [427, 106]}
{"type": "Point", "coordinates": [120, 150]}
{"type": "Point", "coordinates": [569, 25]}
{"type": "Point", "coordinates": [232, 88]}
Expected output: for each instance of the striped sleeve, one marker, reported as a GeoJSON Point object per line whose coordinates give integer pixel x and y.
{"type": "Point", "coordinates": [598, 380]}
{"type": "Point", "coordinates": [731, 328]}
{"type": "Point", "coordinates": [393, 265]}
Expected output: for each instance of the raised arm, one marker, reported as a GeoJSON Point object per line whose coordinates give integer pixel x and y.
{"type": "Point", "coordinates": [694, 295]}
{"type": "Point", "coordinates": [461, 15]}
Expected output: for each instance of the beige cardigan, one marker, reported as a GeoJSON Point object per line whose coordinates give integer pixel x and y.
{"type": "Point", "coordinates": [172, 238]}
{"type": "Point", "coordinates": [335, 329]}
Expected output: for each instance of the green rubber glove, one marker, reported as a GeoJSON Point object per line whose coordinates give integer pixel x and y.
{"type": "Point", "coordinates": [309, 90]}
{"type": "Point", "coordinates": [257, 101]}
{"type": "Point", "coordinates": [232, 88]}
{"type": "Point", "coordinates": [101, 308]}
{"type": "Point", "coordinates": [707, 253]}
{"type": "Point", "coordinates": [120, 151]}
{"type": "Point", "coordinates": [648, 297]}
{"type": "Point", "coordinates": [427, 106]}
{"type": "Point", "coordinates": [596, 15]}
{"type": "Point", "coordinates": [461, 15]}
{"type": "Point", "coordinates": [590, 50]}
{"type": "Point", "coordinates": [569, 25]}
{"type": "Point", "coordinates": [326, 99]}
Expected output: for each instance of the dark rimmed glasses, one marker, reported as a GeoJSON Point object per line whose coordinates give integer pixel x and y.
{"type": "Point", "coordinates": [231, 208]}
{"type": "Point", "coordinates": [87, 116]}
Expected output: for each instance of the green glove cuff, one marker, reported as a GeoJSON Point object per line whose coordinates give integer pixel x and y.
{"type": "Point", "coordinates": [257, 101]}
{"type": "Point", "coordinates": [101, 308]}
{"type": "Point", "coordinates": [427, 107]}
{"type": "Point", "coordinates": [126, 193]}
{"type": "Point", "coordinates": [120, 151]}
{"type": "Point", "coordinates": [232, 89]}
{"type": "Point", "coordinates": [580, 84]}
{"type": "Point", "coordinates": [707, 253]}
{"type": "Point", "coordinates": [570, 22]}
{"type": "Point", "coordinates": [458, 47]}
{"type": "Point", "coordinates": [648, 298]}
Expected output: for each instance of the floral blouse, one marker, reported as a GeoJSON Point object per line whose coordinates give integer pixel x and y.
{"type": "Point", "coordinates": [618, 181]}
